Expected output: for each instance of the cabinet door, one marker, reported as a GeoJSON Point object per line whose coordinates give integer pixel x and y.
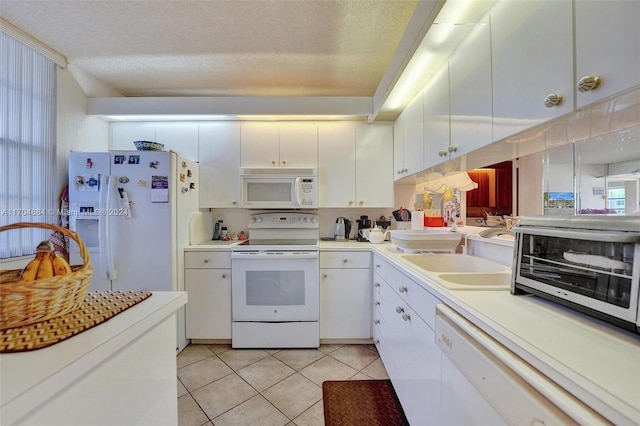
{"type": "Point", "coordinates": [436, 118]}
{"type": "Point", "coordinates": [374, 165]}
{"type": "Point", "coordinates": [180, 137]}
{"type": "Point", "coordinates": [471, 97]}
{"type": "Point", "coordinates": [209, 305]}
{"type": "Point", "coordinates": [413, 136]}
{"type": "Point", "coordinates": [607, 46]}
{"type": "Point", "coordinates": [299, 145]}
{"type": "Point", "coordinates": [219, 165]}
{"type": "Point", "coordinates": [398, 148]}
{"type": "Point", "coordinates": [260, 145]}
{"type": "Point", "coordinates": [336, 164]}
{"type": "Point", "coordinates": [532, 50]}
{"type": "Point", "coordinates": [123, 135]}
{"type": "Point", "coordinates": [345, 304]}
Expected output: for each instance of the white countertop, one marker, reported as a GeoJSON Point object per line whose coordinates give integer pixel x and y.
{"type": "Point", "coordinates": [596, 362]}
{"type": "Point", "coordinates": [48, 368]}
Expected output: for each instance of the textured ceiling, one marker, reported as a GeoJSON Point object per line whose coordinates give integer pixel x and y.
{"type": "Point", "coordinates": [222, 48]}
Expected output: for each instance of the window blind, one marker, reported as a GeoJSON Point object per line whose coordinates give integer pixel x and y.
{"type": "Point", "coordinates": [27, 145]}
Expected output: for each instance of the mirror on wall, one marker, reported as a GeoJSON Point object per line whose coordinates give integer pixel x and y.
{"type": "Point", "coordinates": [599, 175]}
{"type": "Point", "coordinates": [494, 195]}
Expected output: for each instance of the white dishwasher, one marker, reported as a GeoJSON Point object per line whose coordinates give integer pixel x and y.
{"type": "Point", "coordinates": [483, 383]}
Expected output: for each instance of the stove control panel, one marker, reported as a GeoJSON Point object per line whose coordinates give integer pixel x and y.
{"type": "Point", "coordinates": [283, 220]}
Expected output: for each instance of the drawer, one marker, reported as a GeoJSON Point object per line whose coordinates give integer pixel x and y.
{"type": "Point", "coordinates": [345, 259]}
{"type": "Point", "coordinates": [207, 259]}
{"type": "Point", "coordinates": [380, 266]}
{"type": "Point", "coordinates": [419, 299]}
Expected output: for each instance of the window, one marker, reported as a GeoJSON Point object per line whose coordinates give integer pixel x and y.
{"type": "Point", "coordinates": [27, 145]}
{"type": "Point", "coordinates": [616, 197]}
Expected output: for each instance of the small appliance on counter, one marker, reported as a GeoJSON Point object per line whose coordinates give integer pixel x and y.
{"type": "Point", "coordinates": [343, 229]}
{"type": "Point", "coordinates": [590, 264]}
{"type": "Point", "coordinates": [363, 223]}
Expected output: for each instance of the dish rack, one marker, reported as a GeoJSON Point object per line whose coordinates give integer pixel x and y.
{"type": "Point", "coordinates": [427, 240]}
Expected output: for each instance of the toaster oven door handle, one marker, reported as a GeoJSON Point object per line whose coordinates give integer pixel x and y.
{"type": "Point", "coordinates": [604, 236]}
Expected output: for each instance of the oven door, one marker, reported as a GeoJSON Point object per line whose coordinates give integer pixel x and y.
{"type": "Point", "coordinates": [275, 286]}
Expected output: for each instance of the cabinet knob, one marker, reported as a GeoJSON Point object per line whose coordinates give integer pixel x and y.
{"type": "Point", "coordinates": [405, 170]}
{"type": "Point", "coordinates": [273, 162]}
{"type": "Point", "coordinates": [376, 321]}
{"type": "Point", "coordinates": [378, 266]}
{"type": "Point", "coordinates": [377, 342]}
{"type": "Point", "coordinates": [552, 100]}
{"type": "Point", "coordinates": [345, 260]}
{"type": "Point", "coordinates": [284, 161]}
{"type": "Point", "coordinates": [399, 172]}
{"type": "Point", "coordinates": [453, 148]}
{"type": "Point", "coordinates": [224, 276]}
{"type": "Point", "coordinates": [588, 83]}
{"type": "Point", "coordinates": [399, 309]}
{"type": "Point", "coordinates": [377, 303]}
{"type": "Point", "coordinates": [402, 289]}
{"type": "Point", "coordinates": [376, 285]}
{"type": "Point", "coordinates": [234, 202]}
{"type": "Point", "coordinates": [361, 203]}
{"type": "Point", "coordinates": [324, 276]}
{"type": "Point", "coordinates": [442, 153]}
{"type": "Point", "coordinates": [350, 202]}
{"type": "Point", "coordinates": [406, 317]}
{"type": "Point", "coordinates": [206, 260]}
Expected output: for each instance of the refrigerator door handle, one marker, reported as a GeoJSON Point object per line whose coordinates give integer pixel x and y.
{"type": "Point", "coordinates": [106, 200]}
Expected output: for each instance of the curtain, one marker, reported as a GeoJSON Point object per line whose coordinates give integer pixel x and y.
{"type": "Point", "coordinates": [27, 145]}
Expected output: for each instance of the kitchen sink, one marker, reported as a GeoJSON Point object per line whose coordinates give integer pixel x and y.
{"type": "Point", "coordinates": [463, 272]}
{"type": "Point", "coordinates": [454, 263]}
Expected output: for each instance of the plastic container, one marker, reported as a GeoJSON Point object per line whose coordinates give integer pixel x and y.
{"type": "Point", "coordinates": [434, 221]}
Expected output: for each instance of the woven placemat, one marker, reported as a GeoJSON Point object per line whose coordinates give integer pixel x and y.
{"type": "Point", "coordinates": [97, 308]}
{"type": "Point", "coordinates": [361, 402]}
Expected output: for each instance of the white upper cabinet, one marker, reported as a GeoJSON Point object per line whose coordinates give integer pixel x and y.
{"type": "Point", "coordinates": [219, 170]}
{"type": "Point", "coordinates": [413, 137]}
{"type": "Point", "coordinates": [532, 56]}
{"type": "Point", "coordinates": [355, 164]}
{"type": "Point", "coordinates": [336, 164]}
{"type": "Point", "coordinates": [180, 137]}
{"type": "Point", "coordinates": [265, 144]}
{"type": "Point", "coordinates": [436, 118]}
{"type": "Point", "coordinates": [123, 135]}
{"type": "Point", "coordinates": [374, 165]}
{"type": "Point", "coordinates": [398, 148]}
{"type": "Point", "coordinates": [607, 46]}
{"type": "Point", "coordinates": [471, 93]}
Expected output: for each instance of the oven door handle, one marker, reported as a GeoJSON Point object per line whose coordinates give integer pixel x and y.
{"type": "Point", "coordinates": [613, 237]}
{"type": "Point", "coordinates": [250, 255]}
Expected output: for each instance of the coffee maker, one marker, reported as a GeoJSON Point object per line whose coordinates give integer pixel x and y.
{"type": "Point", "coordinates": [363, 223]}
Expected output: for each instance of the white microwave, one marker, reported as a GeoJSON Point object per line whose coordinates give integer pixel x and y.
{"type": "Point", "coordinates": [279, 188]}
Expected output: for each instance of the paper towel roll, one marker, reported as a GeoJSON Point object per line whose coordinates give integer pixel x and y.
{"type": "Point", "coordinates": [417, 220]}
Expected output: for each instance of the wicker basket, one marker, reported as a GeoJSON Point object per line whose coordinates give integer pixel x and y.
{"type": "Point", "coordinates": [23, 303]}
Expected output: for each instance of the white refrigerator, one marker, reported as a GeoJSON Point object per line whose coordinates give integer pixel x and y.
{"type": "Point", "coordinates": [132, 210]}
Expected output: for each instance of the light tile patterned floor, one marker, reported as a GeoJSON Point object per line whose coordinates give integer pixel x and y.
{"type": "Point", "coordinates": [221, 386]}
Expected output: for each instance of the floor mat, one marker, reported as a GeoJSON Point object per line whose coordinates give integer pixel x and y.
{"type": "Point", "coordinates": [361, 402]}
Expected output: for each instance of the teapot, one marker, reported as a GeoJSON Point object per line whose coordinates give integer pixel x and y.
{"type": "Point", "coordinates": [374, 235]}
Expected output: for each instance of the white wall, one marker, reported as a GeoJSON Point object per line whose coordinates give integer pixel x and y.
{"type": "Point", "coordinates": [75, 131]}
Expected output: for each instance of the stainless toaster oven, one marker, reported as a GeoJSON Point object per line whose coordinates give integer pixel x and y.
{"type": "Point", "coordinates": [588, 263]}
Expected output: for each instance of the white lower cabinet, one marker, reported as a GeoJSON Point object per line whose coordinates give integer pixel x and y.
{"type": "Point", "coordinates": [345, 295]}
{"type": "Point", "coordinates": [407, 346]}
{"type": "Point", "coordinates": [207, 281]}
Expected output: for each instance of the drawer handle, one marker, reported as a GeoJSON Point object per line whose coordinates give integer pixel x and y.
{"type": "Point", "coordinates": [588, 83]}
{"type": "Point", "coordinates": [452, 148]}
{"type": "Point", "coordinates": [206, 260]}
{"type": "Point", "coordinates": [406, 317]}
{"type": "Point", "coordinates": [345, 260]}
{"type": "Point", "coordinates": [402, 288]}
{"type": "Point", "coordinates": [224, 276]}
{"type": "Point", "coordinates": [399, 309]}
{"type": "Point", "coordinates": [377, 341]}
{"type": "Point", "coordinates": [377, 303]}
{"type": "Point", "coordinates": [376, 285]}
{"type": "Point", "coordinates": [442, 153]}
{"type": "Point", "coordinates": [376, 321]}
{"type": "Point", "coordinates": [324, 276]}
